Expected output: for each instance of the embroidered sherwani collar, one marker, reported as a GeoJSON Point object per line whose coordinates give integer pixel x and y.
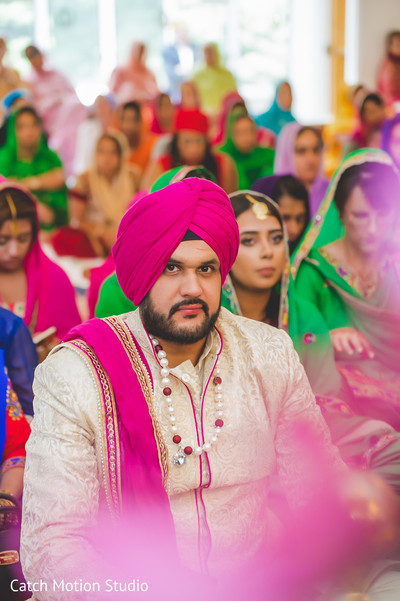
{"type": "Point", "coordinates": [135, 324]}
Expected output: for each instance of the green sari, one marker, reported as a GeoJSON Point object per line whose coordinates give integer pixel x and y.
{"type": "Point", "coordinates": [363, 443]}
{"type": "Point", "coordinates": [112, 301]}
{"type": "Point", "coordinates": [335, 292]}
{"type": "Point", "coordinates": [12, 167]}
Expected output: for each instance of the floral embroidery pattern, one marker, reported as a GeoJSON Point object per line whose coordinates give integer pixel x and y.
{"type": "Point", "coordinates": [14, 409]}
{"type": "Point", "coordinates": [112, 468]}
{"type": "Point", "coordinates": [367, 387]}
{"type": "Point", "coordinates": [364, 289]}
{"type": "Point", "coordinates": [309, 338]}
{"type": "Point", "coordinates": [12, 462]}
{"type": "Point", "coordinates": [16, 308]}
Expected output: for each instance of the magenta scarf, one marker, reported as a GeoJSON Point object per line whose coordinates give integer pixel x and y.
{"type": "Point", "coordinates": [50, 298]}
{"type": "Point", "coordinates": [141, 472]}
{"type": "Point", "coordinates": [97, 276]}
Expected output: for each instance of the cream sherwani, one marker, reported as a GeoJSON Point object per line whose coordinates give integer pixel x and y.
{"type": "Point", "coordinates": [218, 507]}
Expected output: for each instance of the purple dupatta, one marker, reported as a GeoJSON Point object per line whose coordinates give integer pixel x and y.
{"type": "Point", "coordinates": [285, 163]}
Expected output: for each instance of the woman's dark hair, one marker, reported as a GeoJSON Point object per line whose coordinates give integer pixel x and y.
{"type": "Point", "coordinates": [291, 186]}
{"type": "Point", "coordinates": [379, 183]}
{"type": "Point", "coordinates": [315, 131]}
{"type": "Point", "coordinates": [31, 51]}
{"type": "Point", "coordinates": [375, 99]}
{"type": "Point", "coordinates": [28, 110]}
{"type": "Point", "coordinates": [24, 205]}
{"type": "Point", "coordinates": [239, 104]}
{"type": "Point", "coordinates": [240, 204]}
{"type": "Point", "coordinates": [201, 173]}
{"type": "Point", "coordinates": [390, 37]}
{"type": "Point", "coordinates": [209, 161]}
{"type": "Point", "coordinates": [132, 105]}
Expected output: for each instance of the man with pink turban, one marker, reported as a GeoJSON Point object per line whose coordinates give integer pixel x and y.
{"type": "Point", "coordinates": [175, 414]}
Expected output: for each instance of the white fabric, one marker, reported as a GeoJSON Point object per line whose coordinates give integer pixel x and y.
{"type": "Point", "coordinates": [265, 392]}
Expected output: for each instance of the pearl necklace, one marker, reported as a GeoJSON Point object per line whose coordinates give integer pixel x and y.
{"type": "Point", "coordinates": [185, 450]}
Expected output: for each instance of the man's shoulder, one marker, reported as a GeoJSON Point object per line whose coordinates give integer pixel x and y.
{"type": "Point", "coordinates": [256, 332]}
{"type": "Point", "coordinates": [65, 362]}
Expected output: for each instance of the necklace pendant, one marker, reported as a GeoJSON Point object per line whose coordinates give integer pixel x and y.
{"type": "Point", "coordinates": [179, 458]}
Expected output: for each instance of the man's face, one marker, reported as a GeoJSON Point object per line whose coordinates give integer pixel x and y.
{"type": "Point", "coordinates": [184, 303]}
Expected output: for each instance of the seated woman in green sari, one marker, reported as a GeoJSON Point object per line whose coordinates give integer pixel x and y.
{"type": "Point", "coordinates": [26, 159]}
{"type": "Point", "coordinates": [259, 287]}
{"type": "Point", "coordinates": [251, 159]}
{"type": "Point", "coordinates": [346, 267]}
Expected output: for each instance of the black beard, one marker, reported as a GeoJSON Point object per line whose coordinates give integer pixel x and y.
{"type": "Point", "coordinates": [163, 327]}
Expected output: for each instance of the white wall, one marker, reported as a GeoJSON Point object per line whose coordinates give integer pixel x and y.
{"type": "Point", "coordinates": [367, 37]}
{"type": "Point", "coordinates": [310, 69]}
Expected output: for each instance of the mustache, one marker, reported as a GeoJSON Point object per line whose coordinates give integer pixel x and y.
{"type": "Point", "coordinates": [192, 301]}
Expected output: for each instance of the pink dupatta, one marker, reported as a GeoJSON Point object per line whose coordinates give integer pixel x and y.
{"type": "Point", "coordinates": [50, 297]}
{"type": "Point", "coordinates": [143, 456]}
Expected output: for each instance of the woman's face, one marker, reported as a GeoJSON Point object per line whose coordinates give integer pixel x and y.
{"type": "Point", "coordinates": [394, 145]}
{"type": "Point", "coordinates": [165, 110]}
{"type": "Point", "coordinates": [244, 135]}
{"type": "Point", "coordinates": [107, 157]}
{"type": "Point", "coordinates": [15, 242]}
{"type": "Point", "coordinates": [373, 114]}
{"type": "Point", "coordinates": [294, 216]}
{"type": "Point", "coordinates": [395, 46]}
{"type": "Point", "coordinates": [130, 123]}
{"type": "Point", "coordinates": [284, 97]}
{"type": "Point", "coordinates": [261, 257]}
{"type": "Point", "coordinates": [307, 156]}
{"type": "Point", "coordinates": [366, 228]}
{"type": "Point", "coordinates": [27, 131]}
{"type": "Point", "coordinates": [191, 146]}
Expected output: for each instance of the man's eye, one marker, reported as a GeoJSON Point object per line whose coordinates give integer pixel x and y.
{"type": "Point", "coordinates": [206, 269]}
{"type": "Point", "coordinates": [171, 268]}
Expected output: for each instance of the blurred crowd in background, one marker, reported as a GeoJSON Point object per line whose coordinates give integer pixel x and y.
{"type": "Point", "coordinates": [69, 173]}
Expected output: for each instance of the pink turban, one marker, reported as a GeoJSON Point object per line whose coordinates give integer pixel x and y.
{"type": "Point", "coordinates": [155, 225]}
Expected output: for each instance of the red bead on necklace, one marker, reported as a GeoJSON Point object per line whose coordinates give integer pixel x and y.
{"type": "Point", "coordinates": [184, 451]}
